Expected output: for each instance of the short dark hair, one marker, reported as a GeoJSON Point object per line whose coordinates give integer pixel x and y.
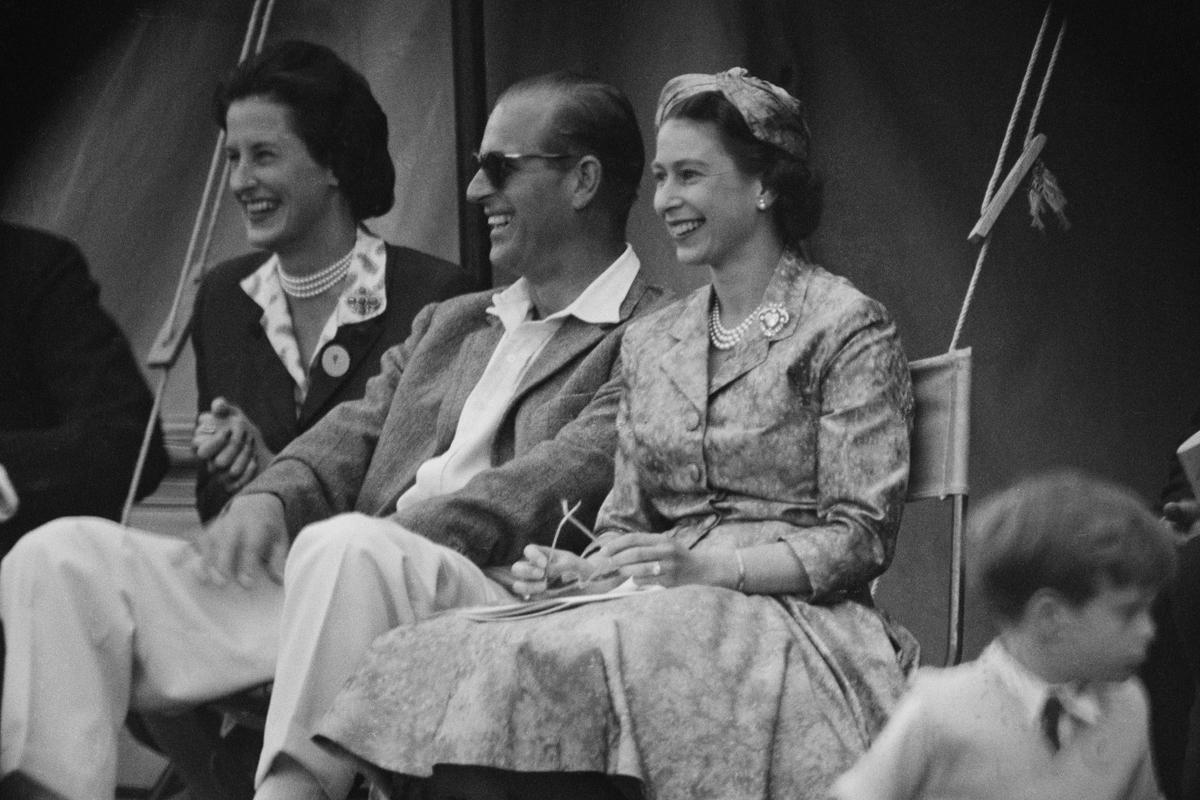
{"type": "Point", "coordinates": [1066, 531]}
{"type": "Point", "coordinates": [595, 118]}
{"type": "Point", "coordinates": [333, 112]}
{"type": "Point", "coordinates": [797, 208]}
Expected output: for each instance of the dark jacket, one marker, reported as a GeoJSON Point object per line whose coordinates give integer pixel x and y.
{"type": "Point", "coordinates": [73, 403]}
{"type": "Point", "coordinates": [235, 360]}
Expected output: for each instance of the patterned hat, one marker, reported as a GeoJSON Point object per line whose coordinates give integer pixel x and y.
{"type": "Point", "coordinates": [773, 115]}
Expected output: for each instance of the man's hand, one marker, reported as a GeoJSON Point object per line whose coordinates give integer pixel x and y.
{"type": "Point", "coordinates": [230, 444]}
{"type": "Point", "coordinates": [247, 543]}
{"type": "Point", "coordinates": [1183, 515]}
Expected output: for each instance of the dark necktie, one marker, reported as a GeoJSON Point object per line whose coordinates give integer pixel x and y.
{"type": "Point", "coordinates": [1051, 714]}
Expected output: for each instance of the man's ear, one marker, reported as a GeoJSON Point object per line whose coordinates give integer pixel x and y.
{"type": "Point", "coordinates": [587, 174]}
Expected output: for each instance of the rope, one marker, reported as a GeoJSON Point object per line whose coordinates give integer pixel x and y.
{"type": "Point", "coordinates": [224, 179]}
{"type": "Point", "coordinates": [209, 183]}
{"type": "Point", "coordinates": [210, 207]}
{"type": "Point", "coordinates": [225, 170]}
{"type": "Point", "coordinates": [962, 314]}
{"type": "Point", "coordinates": [147, 437]}
{"type": "Point", "coordinates": [1012, 119]}
{"type": "Point", "coordinates": [1002, 155]}
{"type": "Point", "coordinates": [1037, 109]}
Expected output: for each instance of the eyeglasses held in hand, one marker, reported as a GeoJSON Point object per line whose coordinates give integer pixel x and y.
{"type": "Point", "coordinates": [499, 166]}
{"type": "Point", "coordinates": [572, 582]}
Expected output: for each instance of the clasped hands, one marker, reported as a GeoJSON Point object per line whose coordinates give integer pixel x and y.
{"type": "Point", "coordinates": [230, 444]}
{"type": "Point", "coordinates": [609, 561]}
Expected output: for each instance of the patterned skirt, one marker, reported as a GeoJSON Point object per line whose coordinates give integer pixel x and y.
{"type": "Point", "coordinates": [694, 691]}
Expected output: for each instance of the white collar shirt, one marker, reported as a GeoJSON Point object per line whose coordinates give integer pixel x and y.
{"type": "Point", "coordinates": [1080, 701]}
{"type": "Point", "coordinates": [470, 452]}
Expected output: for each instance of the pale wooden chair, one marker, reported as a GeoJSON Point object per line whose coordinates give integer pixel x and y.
{"type": "Point", "coordinates": [938, 462]}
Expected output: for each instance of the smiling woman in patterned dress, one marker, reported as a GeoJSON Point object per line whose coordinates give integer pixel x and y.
{"type": "Point", "coordinates": [760, 477]}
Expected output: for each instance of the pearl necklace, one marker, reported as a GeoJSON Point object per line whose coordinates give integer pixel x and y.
{"type": "Point", "coordinates": [318, 282]}
{"type": "Point", "coordinates": [724, 338]}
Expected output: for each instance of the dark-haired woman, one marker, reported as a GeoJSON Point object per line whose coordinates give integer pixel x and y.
{"type": "Point", "coordinates": [761, 473]}
{"type": "Point", "coordinates": [284, 335]}
{"type": "Point", "coordinates": [281, 337]}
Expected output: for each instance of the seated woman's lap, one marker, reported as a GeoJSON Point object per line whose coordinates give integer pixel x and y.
{"type": "Point", "coordinates": [703, 671]}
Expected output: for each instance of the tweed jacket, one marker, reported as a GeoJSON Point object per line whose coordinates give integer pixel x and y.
{"type": "Point", "coordinates": [235, 360]}
{"type": "Point", "coordinates": [73, 403]}
{"type": "Point", "coordinates": [556, 439]}
{"type": "Point", "coordinates": [801, 435]}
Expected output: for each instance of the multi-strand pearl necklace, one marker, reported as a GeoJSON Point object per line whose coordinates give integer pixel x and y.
{"type": "Point", "coordinates": [724, 338]}
{"type": "Point", "coordinates": [771, 317]}
{"type": "Point", "coordinates": [318, 282]}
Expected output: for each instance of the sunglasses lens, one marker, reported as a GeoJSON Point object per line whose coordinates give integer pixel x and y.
{"type": "Point", "coordinates": [494, 166]}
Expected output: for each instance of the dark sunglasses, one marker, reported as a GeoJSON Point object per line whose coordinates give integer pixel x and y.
{"type": "Point", "coordinates": [499, 166]}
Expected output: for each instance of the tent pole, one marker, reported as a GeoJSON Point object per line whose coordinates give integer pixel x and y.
{"type": "Point", "coordinates": [470, 115]}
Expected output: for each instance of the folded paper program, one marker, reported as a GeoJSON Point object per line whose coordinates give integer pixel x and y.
{"type": "Point", "coordinates": [549, 605]}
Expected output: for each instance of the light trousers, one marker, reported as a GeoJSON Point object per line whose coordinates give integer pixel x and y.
{"type": "Point", "coordinates": [348, 580]}
{"type": "Point", "coordinates": [101, 619]}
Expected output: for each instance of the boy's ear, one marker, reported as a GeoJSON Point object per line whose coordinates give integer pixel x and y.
{"type": "Point", "coordinates": [1046, 612]}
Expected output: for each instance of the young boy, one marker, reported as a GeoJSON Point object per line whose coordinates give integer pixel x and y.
{"type": "Point", "coordinates": [1068, 566]}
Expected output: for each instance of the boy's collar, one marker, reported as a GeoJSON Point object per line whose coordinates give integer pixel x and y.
{"type": "Point", "coordinates": [1081, 700]}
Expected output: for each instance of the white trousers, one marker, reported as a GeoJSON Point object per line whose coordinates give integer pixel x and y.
{"type": "Point", "coordinates": [100, 619]}
{"type": "Point", "coordinates": [348, 580]}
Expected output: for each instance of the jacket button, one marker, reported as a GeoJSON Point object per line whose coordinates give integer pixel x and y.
{"type": "Point", "coordinates": [693, 420]}
{"type": "Point", "coordinates": [694, 472]}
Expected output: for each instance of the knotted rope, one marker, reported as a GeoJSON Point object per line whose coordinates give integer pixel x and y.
{"type": "Point", "coordinates": [1043, 188]}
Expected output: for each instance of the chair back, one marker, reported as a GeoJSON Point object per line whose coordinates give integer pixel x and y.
{"type": "Point", "coordinates": [941, 426]}
{"type": "Point", "coordinates": [938, 461]}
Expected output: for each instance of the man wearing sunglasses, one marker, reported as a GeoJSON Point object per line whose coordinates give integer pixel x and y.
{"type": "Point", "coordinates": [498, 407]}
{"type": "Point", "coordinates": [514, 412]}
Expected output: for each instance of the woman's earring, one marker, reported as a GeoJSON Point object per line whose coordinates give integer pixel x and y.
{"type": "Point", "coordinates": [762, 204]}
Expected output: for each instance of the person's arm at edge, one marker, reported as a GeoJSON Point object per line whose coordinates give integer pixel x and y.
{"type": "Point", "coordinates": [84, 464]}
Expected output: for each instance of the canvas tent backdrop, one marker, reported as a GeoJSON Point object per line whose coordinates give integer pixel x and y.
{"type": "Point", "coordinates": [1085, 341]}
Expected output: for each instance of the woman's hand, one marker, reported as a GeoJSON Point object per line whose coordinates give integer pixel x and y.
{"type": "Point", "coordinates": [542, 565]}
{"type": "Point", "coordinates": [654, 558]}
{"type": "Point", "coordinates": [230, 444]}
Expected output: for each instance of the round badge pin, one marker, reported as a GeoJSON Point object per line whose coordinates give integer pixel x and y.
{"type": "Point", "coordinates": [335, 361]}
